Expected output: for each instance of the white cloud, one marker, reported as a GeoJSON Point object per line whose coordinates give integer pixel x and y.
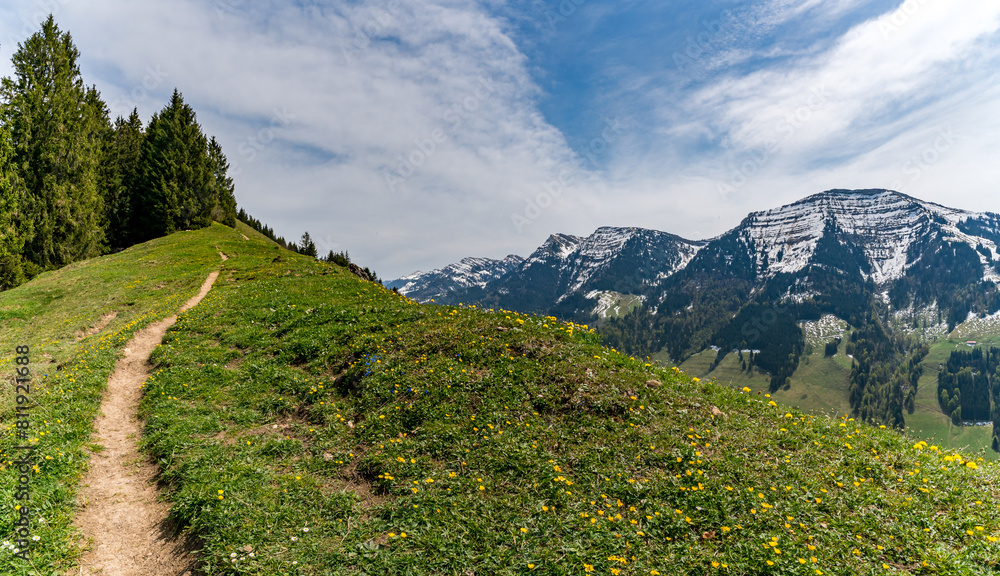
{"type": "Point", "coordinates": [856, 114]}
{"type": "Point", "coordinates": [314, 104]}
{"type": "Point", "coordinates": [359, 87]}
{"type": "Point", "coordinates": [874, 69]}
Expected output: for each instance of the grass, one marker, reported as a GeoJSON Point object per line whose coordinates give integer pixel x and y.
{"type": "Point", "coordinates": [930, 423]}
{"type": "Point", "coordinates": [310, 423]}
{"type": "Point", "coordinates": [51, 314]}
{"type": "Point", "coordinates": [820, 386]}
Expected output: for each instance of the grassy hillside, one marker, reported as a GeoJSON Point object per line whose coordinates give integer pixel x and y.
{"type": "Point", "coordinates": [930, 423]}
{"type": "Point", "coordinates": [310, 423]}
{"type": "Point", "coordinates": [433, 440]}
{"type": "Point", "coordinates": [75, 320]}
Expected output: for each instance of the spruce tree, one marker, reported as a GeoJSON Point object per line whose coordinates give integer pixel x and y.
{"type": "Point", "coordinates": [224, 209]}
{"type": "Point", "coordinates": [307, 246]}
{"type": "Point", "coordinates": [124, 172]}
{"type": "Point", "coordinates": [177, 191]}
{"type": "Point", "coordinates": [56, 127]}
{"type": "Point", "coordinates": [12, 221]}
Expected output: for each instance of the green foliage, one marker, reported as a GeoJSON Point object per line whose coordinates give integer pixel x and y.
{"type": "Point", "coordinates": [307, 247]}
{"type": "Point", "coordinates": [72, 186]}
{"type": "Point", "coordinates": [969, 383]}
{"type": "Point", "coordinates": [178, 182]}
{"type": "Point", "coordinates": [448, 440]}
{"type": "Point", "coordinates": [264, 229]}
{"type": "Point", "coordinates": [831, 347]}
{"type": "Point", "coordinates": [58, 128]}
{"type": "Point", "coordinates": [886, 368]}
{"type": "Point", "coordinates": [13, 225]}
{"type": "Point", "coordinates": [339, 258]}
{"type": "Point", "coordinates": [948, 274]}
{"type": "Point", "coordinates": [123, 180]}
{"type": "Point", "coordinates": [69, 370]}
{"type": "Point", "coordinates": [224, 210]}
{"type": "Point", "coordinates": [335, 417]}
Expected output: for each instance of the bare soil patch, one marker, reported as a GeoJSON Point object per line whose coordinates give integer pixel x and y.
{"type": "Point", "coordinates": [98, 326]}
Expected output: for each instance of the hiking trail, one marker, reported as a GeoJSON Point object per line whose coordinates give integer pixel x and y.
{"type": "Point", "coordinates": [119, 506]}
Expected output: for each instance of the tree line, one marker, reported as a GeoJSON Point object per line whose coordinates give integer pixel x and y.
{"type": "Point", "coordinates": [74, 184]}
{"type": "Point", "coordinates": [306, 246]}
{"type": "Point", "coordinates": [969, 388]}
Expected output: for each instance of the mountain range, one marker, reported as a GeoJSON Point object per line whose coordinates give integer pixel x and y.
{"type": "Point", "coordinates": [887, 237]}
{"type": "Point", "coordinates": [894, 267]}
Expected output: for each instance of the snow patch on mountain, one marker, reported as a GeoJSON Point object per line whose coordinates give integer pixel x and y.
{"type": "Point", "coordinates": [885, 223]}
{"type": "Point", "coordinates": [558, 246]}
{"type": "Point", "coordinates": [599, 251]}
{"type": "Point", "coordinates": [827, 328]}
{"type": "Point", "coordinates": [613, 303]}
{"type": "Point", "coordinates": [927, 322]}
{"type": "Point", "coordinates": [468, 273]}
{"type": "Point", "coordinates": [976, 327]}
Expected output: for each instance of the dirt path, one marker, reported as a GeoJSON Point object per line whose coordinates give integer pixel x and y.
{"type": "Point", "coordinates": [118, 498]}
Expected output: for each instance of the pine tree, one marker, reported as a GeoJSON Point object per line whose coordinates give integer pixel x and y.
{"type": "Point", "coordinates": [56, 125]}
{"type": "Point", "coordinates": [177, 191]}
{"type": "Point", "coordinates": [124, 177]}
{"type": "Point", "coordinates": [224, 209]}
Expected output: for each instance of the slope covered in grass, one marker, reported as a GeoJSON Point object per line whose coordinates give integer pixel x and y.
{"type": "Point", "coordinates": [311, 423]}
{"type": "Point", "coordinates": [75, 320]}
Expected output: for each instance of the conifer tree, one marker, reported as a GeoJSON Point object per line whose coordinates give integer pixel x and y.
{"type": "Point", "coordinates": [224, 210]}
{"type": "Point", "coordinates": [177, 191]}
{"type": "Point", "coordinates": [307, 246]}
{"type": "Point", "coordinates": [123, 178]}
{"type": "Point", "coordinates": [56, 127]}
{"type": "Point", "coordinates": [12, 222]}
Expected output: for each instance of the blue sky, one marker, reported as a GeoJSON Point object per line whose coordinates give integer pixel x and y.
{"type": "Point", "coordinates": [416, 133]}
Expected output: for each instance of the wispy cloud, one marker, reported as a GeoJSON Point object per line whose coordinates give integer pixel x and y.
{"type": "Point", "coordinates": [410, 132]}
{"type": "Point", "coordinates": [405, 125]}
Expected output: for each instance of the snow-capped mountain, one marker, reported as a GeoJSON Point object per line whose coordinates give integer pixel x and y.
{"type": "Point", "coordinates": [469, 274]}
{"type": "Point", "coordinates": [564, 267]}
{"type": "Point", "coordinates": [885, 225]}
{"type": "Point", "coordinates": [831, 252]}
{"type": "Point", "coordinates": [882, 263]}
{"type": "Point", "coordinates": [614, 254]}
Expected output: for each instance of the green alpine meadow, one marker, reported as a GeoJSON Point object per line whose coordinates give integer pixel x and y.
{"type": "Point", "coordinates": [714, 361]}
{"type": "Point", "coordinates": [306, 421]}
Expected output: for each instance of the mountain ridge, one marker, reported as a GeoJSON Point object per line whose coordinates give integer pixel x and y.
{"type": "Point", "coordinates": [892, 266]}
{"type": "Point", "coordinates": [784, 239]}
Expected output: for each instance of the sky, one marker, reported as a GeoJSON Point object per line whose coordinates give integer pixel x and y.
{"type": "Point", "coordinates": [414, 133]}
